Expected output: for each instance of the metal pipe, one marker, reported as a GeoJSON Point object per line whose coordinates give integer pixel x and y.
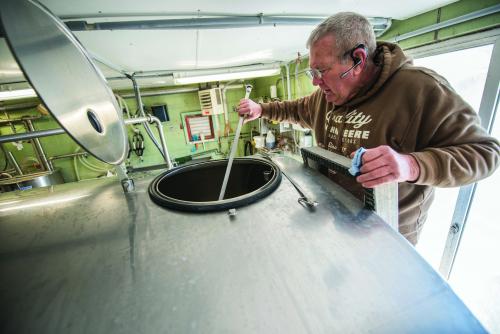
{"type": "Point", "coordinates": [288, 88]}
{"type": "Point", "coordinates": [136, 120]}
{"type": "Point", "coordinates": [107, 63]}
{"type": "Point", "coordinates": [194, 23]}
{"type": "Point", "coordinates": [143, 114]}
{"type": "Point", "coordinates": [30, 135]}
{"type": "Point", "coordinates": [18, 120]}
{"type": "Point", "coordinates": [18, 106]}
{"type": "Point", "coordinates": [38, 148]}
{"type": "Point", "coordinates": [448, 23]}
{"type": "Point", "coordinates": [14, 163]}
{"type": "Point", "coordinates": [163, 141]}
{"type": "Point", "coordinates": [63, 156]}
{"type": "Point", "coordinates": [163, 92]}
{"type": "Point", "coordinates": [379, 24]}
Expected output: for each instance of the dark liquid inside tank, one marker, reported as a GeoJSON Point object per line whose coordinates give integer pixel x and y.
{"type": "Point", "coordinates": [197, 187]}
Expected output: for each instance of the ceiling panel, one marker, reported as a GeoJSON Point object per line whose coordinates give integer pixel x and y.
{"type": "Point", "coordinates": [403, 9]}
{"type": "Point", "coordinates": [178, 50]}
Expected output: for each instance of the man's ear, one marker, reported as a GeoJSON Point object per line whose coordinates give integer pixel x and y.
{"type": "Point", "coordinates": [359, 56]}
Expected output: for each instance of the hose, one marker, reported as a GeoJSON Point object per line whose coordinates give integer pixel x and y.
{"type": "Point", "coordinates": [75, 166]}
{"type": "Point", "coordinates": [122, 103]}
{"type": "Point", "coordinates": [87, 164]}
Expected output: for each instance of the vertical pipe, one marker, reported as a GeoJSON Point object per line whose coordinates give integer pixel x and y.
{"type": "Point", "coordinates": [289, 90]}
{"type": "Point", "coordinates": [14, 163]}
{"type": "Point", "coordinates": [143, 114]}
{"type": "Point", "coordinates": [283, 84]}
{"type": "Point", "coordinates": [162, 140]}
{"type": "Point", "coordinates": [38, 148]}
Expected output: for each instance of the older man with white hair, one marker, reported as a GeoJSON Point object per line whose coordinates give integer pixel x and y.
{"type": "Point", "coordinates": [416, 130]}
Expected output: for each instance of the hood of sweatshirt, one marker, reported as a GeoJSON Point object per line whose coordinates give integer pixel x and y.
{"type": "Point", "coordinates": [390, 58]}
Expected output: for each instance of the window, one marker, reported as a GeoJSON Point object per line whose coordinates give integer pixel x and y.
{"type": "Point", "coordinates": [475, 276]}
{"type": "Point", "coordinates": [469, 83]}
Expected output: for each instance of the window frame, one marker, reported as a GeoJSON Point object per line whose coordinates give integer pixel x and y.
{"type": "Point", "coordinates": [487, 112]}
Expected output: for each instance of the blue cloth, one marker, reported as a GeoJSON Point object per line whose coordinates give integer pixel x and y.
{"type": "Point", "coordinates": [357, 161]}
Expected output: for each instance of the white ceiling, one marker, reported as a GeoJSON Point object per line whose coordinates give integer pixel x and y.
{"type": "Point", "coordinates": [177, 50]}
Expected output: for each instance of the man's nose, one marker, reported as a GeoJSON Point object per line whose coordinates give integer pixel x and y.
{"type": "Point", "coordinates": [316, 81]}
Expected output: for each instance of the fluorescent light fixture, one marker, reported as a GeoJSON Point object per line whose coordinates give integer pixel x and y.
{"type": "Point", "coordinates": [192, 78]}
{"type": "Point", "coordinates": [17, 94]}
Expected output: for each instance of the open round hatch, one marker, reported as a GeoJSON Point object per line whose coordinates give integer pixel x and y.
{"type": "Point", "coordinates": [196, 187]}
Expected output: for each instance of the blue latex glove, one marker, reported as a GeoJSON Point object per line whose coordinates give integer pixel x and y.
{"type": "Point", "coordinates": [357, 161]}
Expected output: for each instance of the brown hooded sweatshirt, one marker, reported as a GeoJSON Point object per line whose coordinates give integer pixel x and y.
{"type": "Point", "coordinates": [413, 110]}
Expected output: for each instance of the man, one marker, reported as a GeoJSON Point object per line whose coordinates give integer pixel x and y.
{"type": "Point", "coordinates": [416, 129]}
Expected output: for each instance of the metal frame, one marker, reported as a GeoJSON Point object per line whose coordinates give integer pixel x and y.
{"type": "Point", "coordinates": [464, 18]}
{"type": "Point", "coordinates": [487, 112]}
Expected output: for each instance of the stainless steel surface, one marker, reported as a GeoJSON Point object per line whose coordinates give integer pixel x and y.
{"type": "Point", "coordinates": [29, 181]}
{"type": "Point", "coordinates": [303, 199]}
{"type": "Point", "coordinates": [84, 257]}
{"type": "Point", "coordinates": [38, 148]}
{"type": "Point", "coordinates": [30, 135]}
{"type": "Point", "coordinates": [65, 78]}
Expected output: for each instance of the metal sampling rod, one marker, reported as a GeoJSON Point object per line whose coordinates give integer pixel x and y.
{"type": "Point", "coordinates": [248, 89]}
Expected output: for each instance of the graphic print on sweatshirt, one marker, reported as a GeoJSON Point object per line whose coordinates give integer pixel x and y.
{"type": "Point", "coordinates": [346, 130]}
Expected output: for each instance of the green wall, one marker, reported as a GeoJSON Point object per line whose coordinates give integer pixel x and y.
{"type": "Point", "coordinates": [445, 13]}
{"type": "Point", "coordinates": [174, 133]}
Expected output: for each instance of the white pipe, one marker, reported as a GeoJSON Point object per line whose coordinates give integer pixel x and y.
{"type": "Point", "coordinates": [288, 88]}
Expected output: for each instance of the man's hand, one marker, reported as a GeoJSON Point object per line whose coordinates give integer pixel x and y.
{"type": "Point", "coordinates": [249, 108]}
{"type": "Point", "coordinates": [382, 165]}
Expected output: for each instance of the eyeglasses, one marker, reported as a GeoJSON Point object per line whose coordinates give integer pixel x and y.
{"type": "Point", "coordinates": [314, 73]}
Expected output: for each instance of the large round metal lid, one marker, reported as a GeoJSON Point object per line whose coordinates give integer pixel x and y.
{"type": "Point", "coordinates": [65, 78]}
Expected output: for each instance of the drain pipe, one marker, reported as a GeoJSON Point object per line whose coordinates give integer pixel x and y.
{"type": "Point", "coordinates": [143, 114]}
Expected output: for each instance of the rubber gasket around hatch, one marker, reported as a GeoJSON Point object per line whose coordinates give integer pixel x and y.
{"type": "Point", "coordinates": [170, 202]}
